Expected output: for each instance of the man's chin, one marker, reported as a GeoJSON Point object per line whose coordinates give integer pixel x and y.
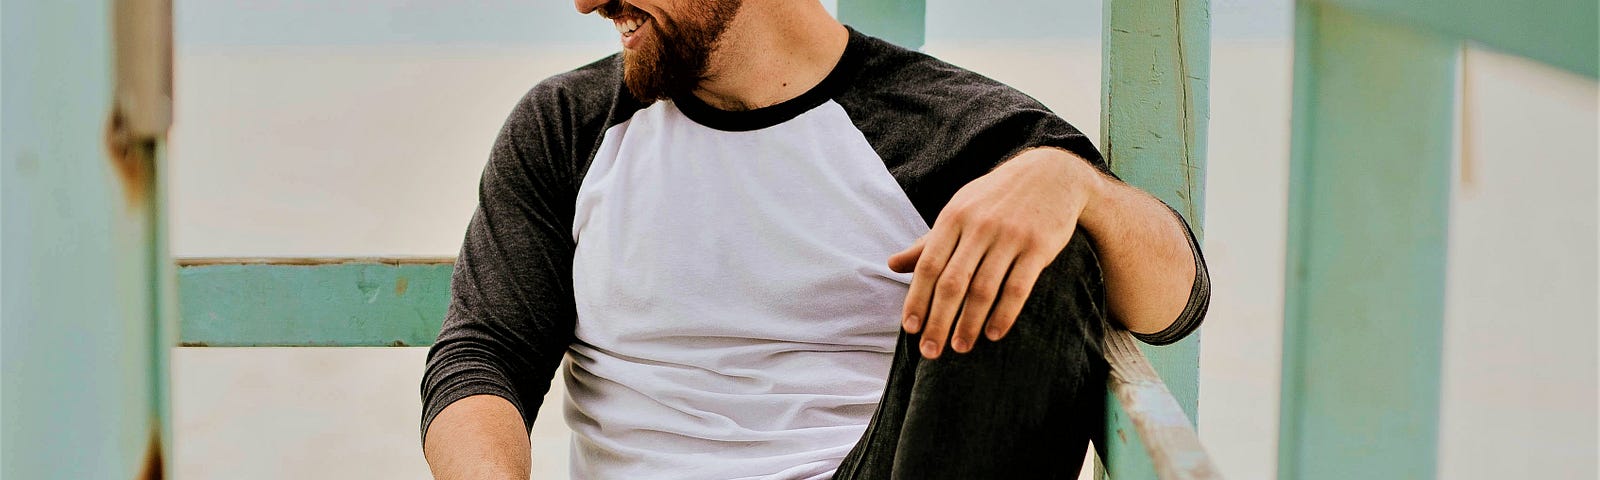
{"type": "Point", "coordinates": [642, 80]}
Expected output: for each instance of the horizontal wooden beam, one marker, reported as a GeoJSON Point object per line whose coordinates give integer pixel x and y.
{"type": "Point", "coordinates": [312, 302]}
{"type": "Point", "coordinates": [1563, 33]}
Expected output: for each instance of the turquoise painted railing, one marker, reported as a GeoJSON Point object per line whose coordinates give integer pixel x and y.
{"type": "Point", "coordinates": [86, 312]}
{"type": "Point", "coordinates": [1154, 98]}
{"type": "Point", "coordinates": [1374, 110]}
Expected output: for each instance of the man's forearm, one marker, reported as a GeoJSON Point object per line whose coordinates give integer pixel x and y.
{"type": "Point", "coordinates": [478, 437]}
{"type": "Point", "coordinates": [1145, 255]}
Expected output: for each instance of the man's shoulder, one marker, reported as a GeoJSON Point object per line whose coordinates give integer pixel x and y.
{"type": "Point", "coordinates": [909, 75]}
{"type": "Point", "coordinates": [585, 94]}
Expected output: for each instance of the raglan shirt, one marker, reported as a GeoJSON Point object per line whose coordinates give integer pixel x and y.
{"type": "Point", "coordinates": [717, 280]}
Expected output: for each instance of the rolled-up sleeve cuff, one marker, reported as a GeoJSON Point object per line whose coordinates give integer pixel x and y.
{"type": "Point", "coordinates": [465, 387]}
{"type": "Point", "coordinates": [1199, 298]}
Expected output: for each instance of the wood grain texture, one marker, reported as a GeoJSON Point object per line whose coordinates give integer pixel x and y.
{"type": "Point", "coordinates": [1368, 203]}
{"type": "Point", "coordinates": [1161, 425]}
{"type": "Point", "coordinates": [1154, 115]}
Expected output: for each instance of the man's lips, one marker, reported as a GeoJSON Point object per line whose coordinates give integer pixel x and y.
{"type": "Point", "coordinates": [629, 27]}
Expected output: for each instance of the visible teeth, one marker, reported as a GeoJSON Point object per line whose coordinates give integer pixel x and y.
{"type": "Point", "coordinates": [628, 26]}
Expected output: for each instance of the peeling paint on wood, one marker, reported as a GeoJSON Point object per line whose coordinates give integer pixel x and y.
{"type": "Point", "coordinates": [392, 302]}
{"type": "Point", "coordinates": [1166, 433]}
{"type": "Point", "coordinates": [1154, 114]}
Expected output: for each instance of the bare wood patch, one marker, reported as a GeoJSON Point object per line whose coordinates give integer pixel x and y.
{"type": "Point", "coordinates": [1168, 436]}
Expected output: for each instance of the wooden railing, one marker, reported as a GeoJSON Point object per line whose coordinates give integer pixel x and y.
{"type": "Point", "coordinates": [1154, 116]}
{"type": "Point", "coordinates": [401, 302]}
{"type": "Point", "coordinates": [1169, 436]}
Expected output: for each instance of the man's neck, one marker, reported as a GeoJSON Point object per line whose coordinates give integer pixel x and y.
{"type": "Point", "coordinates": [772, 51]}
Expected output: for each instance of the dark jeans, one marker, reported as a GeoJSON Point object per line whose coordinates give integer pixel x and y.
{"type": "Point", "coordinates": [1022, 407]}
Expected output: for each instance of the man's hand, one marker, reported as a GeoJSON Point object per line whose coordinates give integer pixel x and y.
{"type": "Point", "coordinates": [989, 245]}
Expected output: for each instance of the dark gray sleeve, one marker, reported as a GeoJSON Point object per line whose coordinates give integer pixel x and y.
{"type": "Point", "coordinates": [511, 312]}
{"type": "Point", "coordinates": [938, 127]}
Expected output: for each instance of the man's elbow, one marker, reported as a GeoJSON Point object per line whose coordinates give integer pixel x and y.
{"type": "Point", "coordinates": [1181, 308]}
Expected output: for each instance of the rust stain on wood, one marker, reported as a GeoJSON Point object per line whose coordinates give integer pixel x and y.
{"type": "Point", "coordinates": [132, 158]}
{"type": "Point", "coordinates": [400, 285]}
{"type": "Point", "coordinates": [154, 467]}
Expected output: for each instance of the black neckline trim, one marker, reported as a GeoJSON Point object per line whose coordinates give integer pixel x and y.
{"type": "Point", "coordinates": [756, 119]}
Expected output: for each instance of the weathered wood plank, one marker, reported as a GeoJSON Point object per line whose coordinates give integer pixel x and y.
{"type": "Point", "coordinates": [1368, 202]}
{"type": "Point", "coordinates": [1153, 118]}
{"type": "Point", "coordinates": [1166, 432]}
{"type": "Point", "coordinates": [81, 313]}
{"type": "Point", "coordinates": [313, 302]}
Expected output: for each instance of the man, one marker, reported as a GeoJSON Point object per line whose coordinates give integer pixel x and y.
{"type": "Point", "coordinates": [770, 246]}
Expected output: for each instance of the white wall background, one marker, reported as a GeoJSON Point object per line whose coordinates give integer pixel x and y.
{"type": "Point", "coordinates": [1519, 374]}
{"type": "Point", "coordinates": [359, 128]}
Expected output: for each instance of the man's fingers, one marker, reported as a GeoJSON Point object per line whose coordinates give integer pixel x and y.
{"type": "Point", "coordinates": [981, 294]}
{"type": "Point", "coordinates": [906, 260]}
{"type": "Point", "coordinates": [948, 292]}
{"type": "Point", "coordinates": [933, 253]}
{"type": "Point", "coordinates": [1018, 285]}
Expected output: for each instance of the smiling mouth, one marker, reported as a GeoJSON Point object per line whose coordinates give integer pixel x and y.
{"type": "Point", "coordinates": [628, 26]}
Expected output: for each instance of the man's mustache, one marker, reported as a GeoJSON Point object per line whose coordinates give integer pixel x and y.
{"type": "Point", "coordinates": [618, 8]}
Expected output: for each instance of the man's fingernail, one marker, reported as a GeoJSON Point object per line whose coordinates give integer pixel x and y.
{"type": "Point", "coordinates": [992, 333]}
{"type": "Point", "coordinates": [929, 349]}
{"type": "Point", "coordinates": [910, 323]}
{"type": "Point", "coordinates": [959, 344]}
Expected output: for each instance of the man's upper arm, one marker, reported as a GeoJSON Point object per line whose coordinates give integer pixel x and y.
{"type": "Point", "coordinates": [511, 312]}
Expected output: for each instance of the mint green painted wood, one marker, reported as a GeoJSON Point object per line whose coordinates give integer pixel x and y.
{"type": "Point", "coordinates": [1563, 33]}
{"type": "Point", "coordinates": [1154, 112]}
{"type": "Point", "coordinates": [80, 308]}
{"type": "Point", "coordinates": [356, 303]}
{"type": "Point", "coordinates": [1368, 202]}
{"type": "Point", "coordinates": [902, 22]}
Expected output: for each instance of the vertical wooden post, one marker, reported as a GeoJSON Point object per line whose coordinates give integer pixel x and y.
{"type": "Point", "coordinates": [1153, 115]}
{"type": "Point", "coordinates": [902, 22]}
{"type": "Point", "coordinates": [1368, 202]}
{"type": "Point", "coordinates": [84, 323]}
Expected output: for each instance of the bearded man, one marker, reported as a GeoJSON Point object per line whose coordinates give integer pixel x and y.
{"type": "Point", "coordinates": [771, 246]}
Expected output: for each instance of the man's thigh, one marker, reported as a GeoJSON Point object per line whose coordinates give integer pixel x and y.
{"type": "Point", "coordinates": [1023, 405]}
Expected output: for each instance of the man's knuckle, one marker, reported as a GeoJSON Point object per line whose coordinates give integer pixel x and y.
{"type": "Point", "coordinates": [954, 279]}
{"type": "Point", "coordinates": [951, 282]}
{"type": "Point", "coordinates": [982, 286]}
{"type": "Point", "coordinates": [1013, 229]}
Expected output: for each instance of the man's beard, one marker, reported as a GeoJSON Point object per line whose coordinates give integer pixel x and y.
{"type": "Point", "coordinates": [676, 60]}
